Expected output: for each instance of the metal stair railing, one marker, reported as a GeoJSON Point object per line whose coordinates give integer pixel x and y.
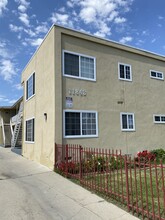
{"type": "Point", "coordinates": [3, 132]}
{"type": "Point", "coordinates": [17, 126]}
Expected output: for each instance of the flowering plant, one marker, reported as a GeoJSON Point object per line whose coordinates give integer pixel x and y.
{"type": "Point", "coordinates": [69, 167]}
{"type": "Point", "coordinates": [145, 156]}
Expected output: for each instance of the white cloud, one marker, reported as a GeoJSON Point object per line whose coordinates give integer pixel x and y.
{"type": "Point", "coordinates": [119, 20]}
{"type": "Point", "coordinates": [2, 44]}
{"type": "Point", "coordinates": [88, 14]}
{"type": "Point", "coordinates": [70, 4]}
{"type": "Point", "coordinates": [7, 101]}
{"type": "Point", "coordinates": [4, 52]}
{"type": "Point", "coordinates": [35, 42]}
{"type": "Point", "coordinates": [3, 98]}
{"type": "Point", "coordinates": [43, 28]}
{"type": "Point", "coordinates": [12, 101]}
{"type": "Point", "coordinates": [24, 43]}
{"type": "Point", "coordinates": [22, 8]}
{"type": "Point", "coordinates": [15, 28]}
{"type": "Point", "coordinates": [90, 10]}
{"type": "Point", "coordinates": [112, 16]}
{"type": "Point", "coordinates": [24, 18]}
{"type": "Point", "coordinates": [153, 40]}
{"type": "Point", "coordinates": [103, 31]}
{"type": "Point", "coordinates": [145, 33]}
{"type": "Point", "coordinates": [140, 42]}
{"type": "Point", "coordinates": [30, 32]}
{"type": "Point", "coordinates": [160, 17]}
{"type": "Point", "coordinates": [59, 18]}
{"type": "Point", "coordinates": [23, 5]}
{"type": "Point", "coordinates": [62, 10]}
{"type": "Point", "coordinates": [124, 40]}
{"type": "Point", "coordinates": [7, 69]}
{"type": "Point", "coordinates": [32, 42]}
{"type": "Point", "coordinates": [100, 14]}
{"type": "Point", "coordinates": [3, 4]}
{"type": "Point", "coordinates": [18, 86]}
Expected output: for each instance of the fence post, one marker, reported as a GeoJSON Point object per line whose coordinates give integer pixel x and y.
{"type": "Point", "coordinates": [55, 147]}
{"type": "Point", "coordinates": [127, 182]}
{"type": "Point", "coordinates": [80, 158]}
{"type": "Point", "coordinates": [54, 156]}
{"type": "Point", "coordinates": [66, 157]}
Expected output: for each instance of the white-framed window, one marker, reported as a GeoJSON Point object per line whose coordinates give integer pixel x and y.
{"type": "Point", "coordinates": [30, 86]}
{"type": "Point", "coordinates": [124, 72]}
{"type": "Point", "coordinates": [29, 130]}
{"type": "Point", "coordinates": [127, 121]}
{"type": "Point", "coordinates": [156, 75]}
{"type": "Point", "coordinates": [80, 123]}
{"type": "Point", "coordinates": [159, 119]}
{"type": "Point", "coordinates": [79, 66]}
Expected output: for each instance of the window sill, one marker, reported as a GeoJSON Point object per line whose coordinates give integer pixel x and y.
{"type": "Point", "coordinates": [128, 80]}
{"type": "Point", "coordinates": [29, 142]}
{"type": "Point", "coordinates": [162, 79]}
{"type": "Point", "coordinates": [82, 136]}
{"type": "Point", "coordinates": [80, 78]}
{"type": "Point", "coordinates": [30, 98]}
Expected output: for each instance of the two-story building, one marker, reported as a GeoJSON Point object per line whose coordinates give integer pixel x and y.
{"type": "Point", "coordinates": [82, 89]}
{"type": "Point", "coordinates": [11, 124]}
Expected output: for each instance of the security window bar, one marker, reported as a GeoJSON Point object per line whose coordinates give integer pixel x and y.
{"type": "Point", "coordinates": [156, 75]}
{"type": "Point", "coordinates": [125, 72]}
{"type": "Point", "coordinates": [127, 122]}
{"type": "Point", "coordinates": [80, 124]}
{"type": "Point", "coordinates": [30, 86]}
{"type": "Point", "coordinates": [79, 66]}
{"type": "Point", "coordinates": [160, 119]}
{"type": "Point", "coordinates": [30, 130]}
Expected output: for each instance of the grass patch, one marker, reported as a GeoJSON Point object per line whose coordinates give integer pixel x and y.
{"type": "Point", "coordinates": [146, 196]}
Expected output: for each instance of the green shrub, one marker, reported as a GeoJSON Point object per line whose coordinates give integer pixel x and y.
{"type": "Point", "coordinates": [159, 154]}
{"type": "Point", "coordinates": [96, 163]}
{"type": "Point", "coordinates": [116, 162]}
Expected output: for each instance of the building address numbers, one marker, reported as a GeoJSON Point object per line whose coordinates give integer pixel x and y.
{"type": "Point", "coordinates": [77, 92]}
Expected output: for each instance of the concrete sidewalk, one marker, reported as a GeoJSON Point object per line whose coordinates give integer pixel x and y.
{"type": "Point", "coordinates": [31, 191]}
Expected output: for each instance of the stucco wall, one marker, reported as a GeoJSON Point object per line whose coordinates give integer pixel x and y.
{"type": "Point", "coordinates": [107, 95]}
{"type": "Point", "coordinates": [143, 97]}
{"type": "Point", "coordinates": [42, 63]}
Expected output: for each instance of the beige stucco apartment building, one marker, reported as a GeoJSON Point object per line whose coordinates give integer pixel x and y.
{"type": "Point", "coordinates": [82, 89]}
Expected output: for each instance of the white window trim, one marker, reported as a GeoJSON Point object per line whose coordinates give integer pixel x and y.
{"type": "Point", "coordinates": [78, 77]}
{"type": "Point", "coordinates": [156, 74]}
{"type": "Point", "coordinates": [158, 122]}
{"type": "Point", "coordinates": [28, 142]}
{"type": "Point", "coordinates": [80, 136]}
{"type": "Point", "coordinates": [127, 113]}
{"type": "Point", "coordinates": [119, 72]}
{"type": "Point", "coordinates": [27, 99]}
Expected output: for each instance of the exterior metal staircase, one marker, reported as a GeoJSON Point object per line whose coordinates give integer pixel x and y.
{"type": "Point", "coordinates": [18, 126]}
{"type": "Point", "coordinates": [3, 131]}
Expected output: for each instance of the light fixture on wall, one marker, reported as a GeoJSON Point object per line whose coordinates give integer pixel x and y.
{"type": "Point", "coordinates": [45, 116]}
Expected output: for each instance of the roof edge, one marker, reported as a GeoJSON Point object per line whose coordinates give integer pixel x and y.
{"type": "Point", "coordinates": [12, 106]}
{"type": "Point", "coordinates": [114, 44]}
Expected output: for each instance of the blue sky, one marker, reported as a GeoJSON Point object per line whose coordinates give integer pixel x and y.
{"type": "Point", "coordinates": [24, 23]}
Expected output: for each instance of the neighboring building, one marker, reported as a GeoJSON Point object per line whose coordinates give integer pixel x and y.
{"type": "Point", "coordinates": [11, 124]}
{"type": "Point", "coordinates": [82, 89]}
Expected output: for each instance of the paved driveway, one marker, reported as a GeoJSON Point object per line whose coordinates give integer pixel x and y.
{"type": "Point", "coordinates": [31, 191]}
